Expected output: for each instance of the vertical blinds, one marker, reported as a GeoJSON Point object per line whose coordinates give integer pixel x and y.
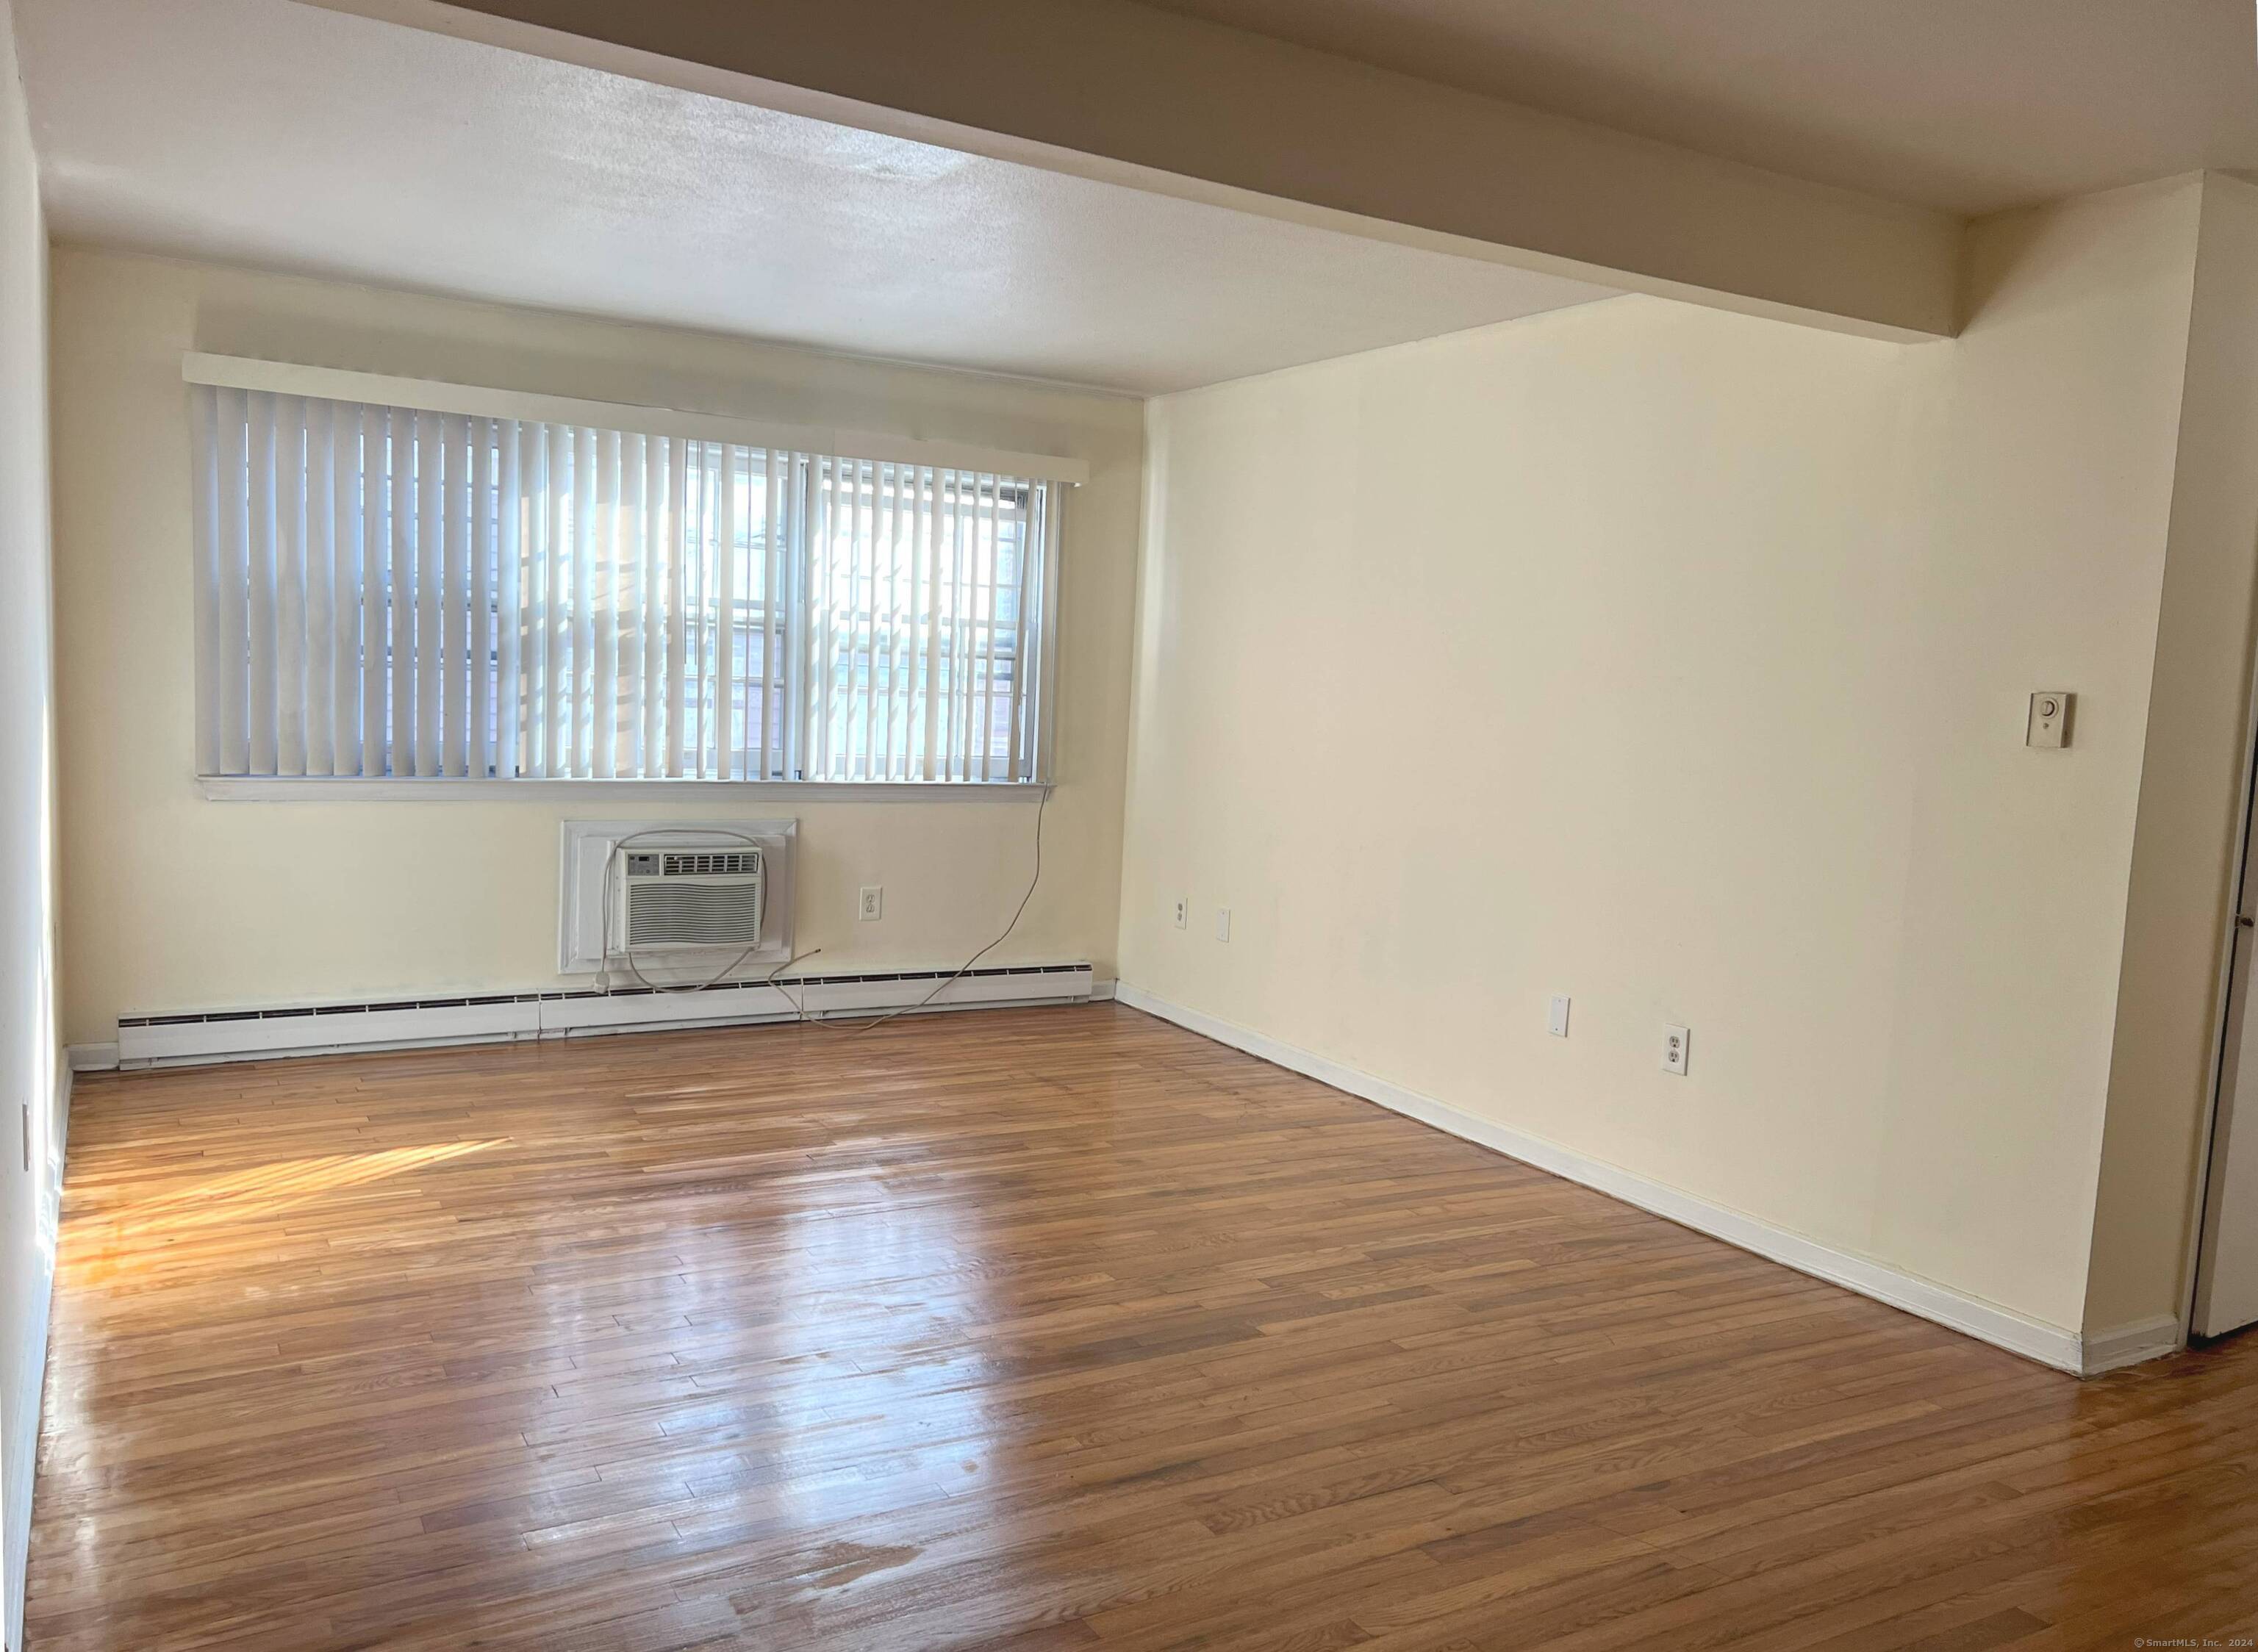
{"type": "Point", "coordinates": [387, 591]}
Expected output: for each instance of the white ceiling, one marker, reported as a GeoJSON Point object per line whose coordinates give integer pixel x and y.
{"type": "Point", "coordinates": [1970, 105]}
{"type": "Point", "coordinates": [287, 137]}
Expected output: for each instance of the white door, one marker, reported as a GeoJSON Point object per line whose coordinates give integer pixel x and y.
{"type": "Point", "coordinates": [2226, 1266]}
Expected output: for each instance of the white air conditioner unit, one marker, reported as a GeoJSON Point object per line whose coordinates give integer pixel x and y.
{"type": "Point", "coordinates": [690, 900]}
{"type": "Point", "coordinates": [600, 917]}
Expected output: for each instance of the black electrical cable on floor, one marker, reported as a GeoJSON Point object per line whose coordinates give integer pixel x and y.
{"type": "Point", "coordinates": [800, 1007]}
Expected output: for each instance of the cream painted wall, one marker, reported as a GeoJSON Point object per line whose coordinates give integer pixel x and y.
{"type": "Point", "coordinates": [171, 902]}
{"type": "Point", "coordinates": [30, 1055]}
{"type": "Point", "coordinates": [2193, 784]}
{"type": "Point", "coordinates": [1677, 661]}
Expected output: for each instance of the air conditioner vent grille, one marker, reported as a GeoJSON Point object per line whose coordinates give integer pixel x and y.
{"type": "Point", "coordinates": [712, 862]}
{"type": "Point", "coordinates": [663, 914]}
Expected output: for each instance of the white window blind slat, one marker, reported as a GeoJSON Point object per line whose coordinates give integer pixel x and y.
{"type": "Point", "coordinates": [532, 596]}
{"type": "Point", "coordinates": [451, 595]}
{"type": "Point", "coordinates": [627, 608]}
{"type": "Point", "coordinates": [344, 691]}
{"type": "Point", "coordinates": [1042, 689]}
{"type": "Point", "coordinates": [696, 640]}
{"type": "Point", "coordinates": [739, 546]}
{"type": "Point", "coordinates": [677, 626]}
{"type": "Point", "coordinates": [428, 663]}
{"type": "Point", "coordinates": [534, 586]}
{"type": "Point", "coordinates": [401, 590]}
{"type": "Point", "coordinates": [204, 449]}
{"type": "Point", "coordinates": [863, 681]}
{"type": "Point", "coordinates": [888, 693]}
{"type": "Point", "coordinates": [582, 643]}
{"type": "Point", "coordinates": [929, 608]}
{"type": "Point", "coordinates": [1026, 752]}
{"type": "Point", "coordinates": [760, 570]}
{"type": "Point", "coordinates": [745, 532]}
{"type": "Point", "coordinates": [375, 531]}
{"type": "Point", "coordinates": [1011, 571]}
{"type": "Point", "coordinates": [902, 761]}
{"type": "Point", "coordinates": [870, 622]}
{"type": "Point", "coordinates": [984, 567]}
{"type": "Point", "coordinates": [485, 551]}
{"type": "Point", "coordinates": [713, 678]}
{"type": "Point", "coordinates": [843, 587]}
{"type": "Point", "coordinates": [861, 578]}
{"type": "Point", "coordinates": [509, 599]}
{"type": "Point", "coordinates": [901, 678]}
{"type": "Point", "coordinates": [652, 733]}
{"type": "Point", "coordinates": [816, 655]}
{"type": "Point", "coordinates": [724, 554]}
{"type": "Point", "coordinates": [792, 599]}
{"type": "Point", "coordinates": [289, 549]}
{"type": "Point", "coordinates": [965, 528]}
{"type": "Point", "coordinates": [837, 651]}
{"type": "Point", "coordinates": [604, 608]}
{"type": "Point", "coordinates": [870, 616]}
{"type": "Point", "coordinates": [455, 594]}
{"type": "Point", "coordinates": [976, 537]}
{"type": "Point", "coordinates": [715, 596]}
{"type": "Point", "coordinates": [775, 479]}
{"type": "Point", "coordinates": [265, 635]}
{"type": "Point", "coordinates": [922, 625]}
{"type": "Point", "coordinates": [1020, 564]}
{"type": "Point", "coordinates": [232, 437]}
{"type": "Point", "coordinates": [555, 508]}
{"type": "Point", "coordinates": [320, 528]}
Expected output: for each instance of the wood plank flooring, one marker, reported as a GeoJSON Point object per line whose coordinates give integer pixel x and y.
{"type": "Point", "coordinates": [1032, 1330]}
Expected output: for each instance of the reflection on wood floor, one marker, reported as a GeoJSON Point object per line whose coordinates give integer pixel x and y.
{"type": "Point", "coordinates": [1028, 1330]}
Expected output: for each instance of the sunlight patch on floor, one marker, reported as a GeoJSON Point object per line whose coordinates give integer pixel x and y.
{"type": "Point", "coordinates": [266, 1190]}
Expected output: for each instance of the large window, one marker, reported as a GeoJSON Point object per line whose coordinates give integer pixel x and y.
{"type": "Point", "coordinates": [392, 591]}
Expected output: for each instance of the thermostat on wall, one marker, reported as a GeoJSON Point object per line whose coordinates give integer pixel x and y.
{"type": "Point", "coordinates": [2049, 721]}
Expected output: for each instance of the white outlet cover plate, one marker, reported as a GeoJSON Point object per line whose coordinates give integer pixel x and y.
{"type": "Point", "coordinates": [1556, 1018]}
{"type": "Point", "coordinates": [2049, 725]}
{"type": "Point", "coordinates": [1676, 1050]}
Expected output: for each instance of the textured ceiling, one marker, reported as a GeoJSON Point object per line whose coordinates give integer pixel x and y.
{"type": "Point", "coordinates": [288, 137]}
{"type": "Point", "coordinates": [1970, 105]}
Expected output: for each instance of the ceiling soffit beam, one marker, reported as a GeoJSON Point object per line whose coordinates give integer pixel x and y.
{"type": "Point", "coordinates": [1110, 91]}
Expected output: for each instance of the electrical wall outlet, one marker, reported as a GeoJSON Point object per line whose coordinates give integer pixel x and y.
{"type": "Point", "coordinates": [1183, 912]}
{"type": "Point", "coordinates": [874, 903]}
{"type": "Point", "coordinates": [1223, 923]}
{"type": "Point", "coordinates": [1556, 1020]}
{"type": "Point", "coordinates": [1677, 1044]}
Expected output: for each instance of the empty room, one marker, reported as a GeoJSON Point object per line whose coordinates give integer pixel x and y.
{"type": "Point", "coordinates": [1050, 825]}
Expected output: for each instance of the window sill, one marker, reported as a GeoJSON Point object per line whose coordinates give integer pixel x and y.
{"type": "Point", "coordinates": [352, 789]}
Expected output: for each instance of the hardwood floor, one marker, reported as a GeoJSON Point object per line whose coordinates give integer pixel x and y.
{"type": "Point", "coordinates": [1031, 1329]}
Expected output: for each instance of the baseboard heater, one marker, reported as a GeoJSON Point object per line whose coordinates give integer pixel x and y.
{"type": "Point", "coordinates": [236, 1035]}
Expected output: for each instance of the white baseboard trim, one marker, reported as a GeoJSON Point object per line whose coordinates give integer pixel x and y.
{"type": "Point", "coordinates": [2130, 1344]}
{"type": "Point", "coordinates": [90, 1058]}
{"type": "Point", "coordinates": [2053, 1345]}
{"type": "Point", "coordinates": [245, 1035]}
